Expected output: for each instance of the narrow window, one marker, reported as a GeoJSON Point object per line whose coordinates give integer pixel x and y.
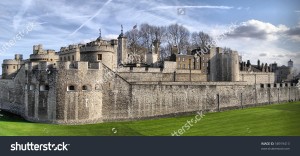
{"type": "Point", "coordinates": [73, 58]}
{"type": "Point", "coordinates": [99, 57]}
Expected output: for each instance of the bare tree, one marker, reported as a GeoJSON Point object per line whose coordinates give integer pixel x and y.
{"type": "Point", "coordinates": [134, 41]}
{"type": "Point", "coordinates": [201, 40]}
{"type": "Point", "coordinates": [150, 33]}
{"type": "Point", "coordinates": [178, 35]}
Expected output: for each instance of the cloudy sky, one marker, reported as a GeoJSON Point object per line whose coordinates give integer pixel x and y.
{"type": "Point", "coordinates": [268, 30]}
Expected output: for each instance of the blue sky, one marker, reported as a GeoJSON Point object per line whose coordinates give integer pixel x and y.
{"type": "Point", "coordinates": [268, 30]}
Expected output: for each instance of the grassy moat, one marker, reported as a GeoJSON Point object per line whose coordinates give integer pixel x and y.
{"type": "Point", "coordinates": [270, 120]}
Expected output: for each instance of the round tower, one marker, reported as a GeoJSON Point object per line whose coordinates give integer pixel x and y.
{"type": "Point", "coordinates": [235, 76]}
{"type": "Point", "coordinates": [11, 66]}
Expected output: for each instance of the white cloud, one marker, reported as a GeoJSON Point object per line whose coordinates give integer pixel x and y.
{"type": "Point", "coordinates": [18, 18]}
{"type": "Point", "coordinates": [258, 30]}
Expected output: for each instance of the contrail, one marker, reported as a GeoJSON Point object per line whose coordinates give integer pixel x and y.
{"type": "Point", "coordinates": [90, 18]}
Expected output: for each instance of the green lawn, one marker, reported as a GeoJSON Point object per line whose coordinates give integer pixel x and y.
{"type": "Point", "coordinates": [271, 120]}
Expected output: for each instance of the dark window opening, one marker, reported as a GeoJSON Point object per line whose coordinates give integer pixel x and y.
{"type": "Point", "coordinates": [84, 88]}
{"type": "Point", "coordinates": [99, 56]}
{"type": "Point", "coordinates": [261, 85]}
{"type": "Point", "coordinates": [71, 88]}
{"type": "Point", "coordinates": [44, 87]}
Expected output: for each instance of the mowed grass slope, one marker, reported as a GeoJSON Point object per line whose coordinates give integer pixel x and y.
{"type": "Point", "coordinates": [270, 120]}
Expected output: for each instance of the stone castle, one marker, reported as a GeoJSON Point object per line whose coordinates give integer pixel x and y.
{"type": "Point", "coordinates": [103, 81]}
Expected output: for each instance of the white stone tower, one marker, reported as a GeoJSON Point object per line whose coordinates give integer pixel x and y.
{"type": "Point", "coordinates": [235, 69]}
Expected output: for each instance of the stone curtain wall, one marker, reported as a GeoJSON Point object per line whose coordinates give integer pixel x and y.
{"type": "Point", "coordinates": [156, 75]}
{"type": "Point", "coordinates": [12, 93]}
{"type": "Point", "coordinates": [167, 98]}
{"type": "Point", "coordinates": [116, 96]}
{"type": "Point", "coordinates": [257, 77]}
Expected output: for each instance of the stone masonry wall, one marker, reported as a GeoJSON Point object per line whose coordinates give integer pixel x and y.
{"type": "Point", "coordinates": [12, 93]}
{"type": "Point", "coordinates": [77, 94]}
{"type": "Point", "coordinates": [257, 77]}
{"type": "Point", "coordinates": [166, 98]}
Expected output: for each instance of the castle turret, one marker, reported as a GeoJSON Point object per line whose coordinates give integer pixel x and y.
{"type": "Point", "coordinates": [248, 63]}
{"type": "Point", "coordinates": [122, 49]}
{"type": "Point", "coordinates": [10, 67]}
{"type": "Point", "coordinates": [154, 56]}
{"type": "Point", "coordinates": [39, 54]}
{"type": "Point", "coordinates": [156, 44]}
{"type": "Point", "coordinates": [235, 72]}
{"type": "Point", "coordinates": [38, 49]}
{"type": "Point", "coordinates": [290, 63]}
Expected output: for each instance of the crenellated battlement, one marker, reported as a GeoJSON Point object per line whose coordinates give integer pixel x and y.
{"type": "Point", "coordinates": [99, 45]}
{"type": "Point", "coordinates": [43, 65]}
{"type": "Point", "coordinates": [71, 48]}
{"type": "Point", "coordinates": [11, 61]}
{"type": "Point", "coordinates": [79, 65]}
{"type": "Point", "coordinates": [156, 70]}
{"type": "Point", "coordinates": [62, 65]}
